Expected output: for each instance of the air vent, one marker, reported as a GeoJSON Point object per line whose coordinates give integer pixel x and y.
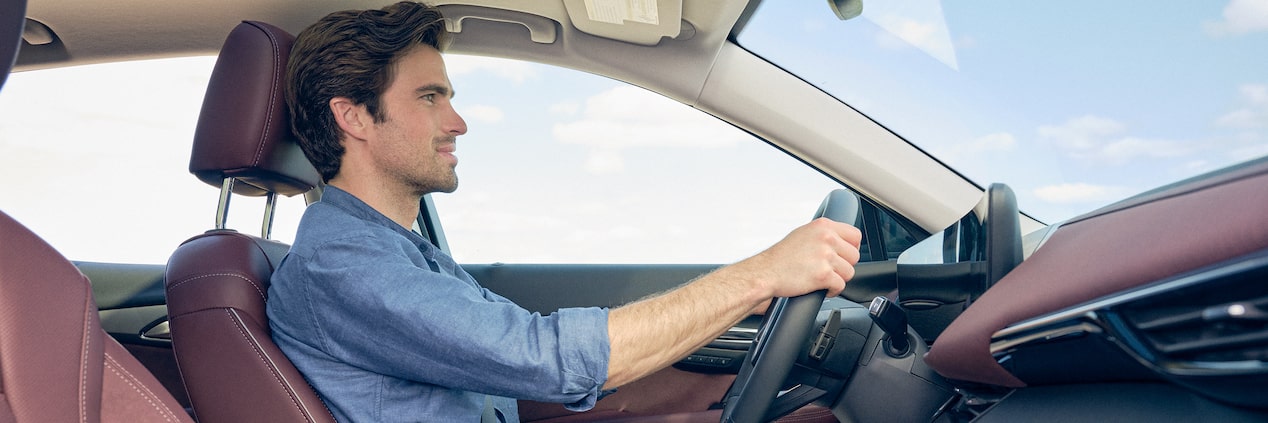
{"type": "Point", "coordinates": [1220, 321]}
{"type": "Point", "coordinates": [1234, 331]}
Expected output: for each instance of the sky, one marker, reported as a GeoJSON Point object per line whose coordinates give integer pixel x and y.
{"type": "Point", "coordinates": [1074, 105]}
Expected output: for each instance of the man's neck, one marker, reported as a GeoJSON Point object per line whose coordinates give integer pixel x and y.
{"type": "Point", "coordinates": [398, 205]}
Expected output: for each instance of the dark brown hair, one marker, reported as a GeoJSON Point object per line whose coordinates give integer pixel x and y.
{"type": "Point", "coordinates": [351, 54]}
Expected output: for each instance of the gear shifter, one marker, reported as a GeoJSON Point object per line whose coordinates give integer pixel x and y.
{"type": "Point", "coordinates": [891, 318]}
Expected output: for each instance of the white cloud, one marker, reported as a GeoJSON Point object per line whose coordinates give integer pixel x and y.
{"type": "Point", "coordinates": [512, 70]}
{"type": "Point", "coordinates": [1240, 17]}
{"type": "Point", "coordinates": [604, 162]}
{"type": "Point", "coordinates": [1249, 152]}
{"type": "Point", "coordinates": [1255, 93]}
{"type": "Point", "coordinates": [482, 113]}
{"type": "Point", "coordinates": [1000, 141]}
{"type": "Point", "coordinates": [628, 117]}
{"type": "Point", "coordinates": [916, 23]}
{"type": "Point", "coordinates": [1079, 193]}
{"type": "Point", "coordinates": [1081, 133]}
{"type": "Point", "coordinates": [1102, 140]}
{"type": "Point", "coordinates": [566, 108]}
{"type": "Point", "coordinates": [1128, 148]}
{"type": "Point", "coordinates": [996, 142]}
{"type": "Point", "coordinates": [1254, 110]}
{"type": "Point", "coordinates": [1240, 118]}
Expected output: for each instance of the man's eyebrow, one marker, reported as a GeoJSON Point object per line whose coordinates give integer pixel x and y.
{"type": "Point", "coordinates": [435, 88]}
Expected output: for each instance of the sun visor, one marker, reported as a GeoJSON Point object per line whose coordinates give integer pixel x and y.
{"type": "Point", "coordinates": [643, 22]}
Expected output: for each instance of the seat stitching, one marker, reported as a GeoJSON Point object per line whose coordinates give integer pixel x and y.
{"type": "Point", "coordinates": [145, 392]}
{"type": "Point", "coordinates": [85, 339]}
{"type": "Point", "coordinates": [259, 291]}
{"type": "Point", "coordinates": [268, 119]}
{"type": "Point", "coordinates": [184, 382]}
{"type": "Point", "coordinates": [237, 321]}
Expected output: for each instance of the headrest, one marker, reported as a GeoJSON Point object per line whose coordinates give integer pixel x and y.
{"type": "Point", "coordinates": [12, 18]}
{"type": "Point", "coordinates": [244, 130]}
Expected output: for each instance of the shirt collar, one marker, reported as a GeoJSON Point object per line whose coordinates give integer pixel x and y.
{"type": "Point", "coordinates": [352, 205]}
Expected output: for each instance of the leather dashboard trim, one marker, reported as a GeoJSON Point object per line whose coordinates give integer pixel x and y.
{"type": "Point", "coordinates": [1140, 240]}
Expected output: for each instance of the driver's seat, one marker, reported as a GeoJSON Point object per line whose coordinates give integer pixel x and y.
{"type": "Point", "coordinates": [217, 282]}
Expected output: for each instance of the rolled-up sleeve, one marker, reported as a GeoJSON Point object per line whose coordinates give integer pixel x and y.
{"type": "Point", "coordinates": [580, 330]}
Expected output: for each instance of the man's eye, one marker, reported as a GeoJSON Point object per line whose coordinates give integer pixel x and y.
{"type": "Point", "coordinates": [429, 97]}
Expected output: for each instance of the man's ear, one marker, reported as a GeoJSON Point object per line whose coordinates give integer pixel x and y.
{"type": "Point", "coordinates": [352, 118]}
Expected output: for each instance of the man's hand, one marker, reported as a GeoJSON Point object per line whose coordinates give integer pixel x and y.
{"type": "Point", "coordinates": [818, 255]}
{"type": "Point", "coordinates": [652, 333]}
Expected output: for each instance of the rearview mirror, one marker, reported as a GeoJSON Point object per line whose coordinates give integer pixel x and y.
{"type": "Point", "coordinates": [846, 9]}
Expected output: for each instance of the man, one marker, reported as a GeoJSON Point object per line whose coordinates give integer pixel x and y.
{"type": "Point", "coordinates": [387, 327]}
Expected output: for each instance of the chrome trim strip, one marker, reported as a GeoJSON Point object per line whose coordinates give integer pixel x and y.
{"type": "Point", "coordinates": [160, 332]}
{"type": "Point", "coordinates": [1052, 229]}
{"type": "Point", "coordinates": [1203, 368]}
{"type": "Point", "coordinates": [1082, 328]}
{"type": "Point", "coordinates": [1242, 265]}
{"type": "Point", "coordinates": [730, 344]}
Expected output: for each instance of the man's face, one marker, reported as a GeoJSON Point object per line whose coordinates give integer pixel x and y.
{"type": "Point", "coordinates": [417, 138]}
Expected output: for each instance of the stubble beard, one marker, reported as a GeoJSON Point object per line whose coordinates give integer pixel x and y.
{"type": "Point", "coordinates": [441, 178]}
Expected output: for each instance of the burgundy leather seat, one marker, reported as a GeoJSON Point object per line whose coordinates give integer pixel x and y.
{"type": "Point", "coordinates": [56, 363]}
{"type": "Point", "coordinates": [217, 282]}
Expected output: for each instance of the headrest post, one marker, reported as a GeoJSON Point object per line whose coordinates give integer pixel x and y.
{"type": "Point", "coordinates": [222, 210]}
{"type": "Point", "coordinates": [270, 201]}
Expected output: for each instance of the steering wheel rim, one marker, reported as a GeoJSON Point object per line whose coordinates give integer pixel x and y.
{"type": "Point", "coordinates": [782, 335]}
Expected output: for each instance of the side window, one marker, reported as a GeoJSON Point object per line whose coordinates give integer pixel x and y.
{"type": "Point", "coordinates": [896, 236]}
{"type": "Point", "coordinates": [884, 235]}
{"type": "Point", "coordinates": [560, 166]}
{"type": "Point", "coordinates": [95, 160]}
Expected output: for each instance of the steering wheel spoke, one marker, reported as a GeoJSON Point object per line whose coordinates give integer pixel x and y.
{"type": "Point", "coordinates": [781, 340]}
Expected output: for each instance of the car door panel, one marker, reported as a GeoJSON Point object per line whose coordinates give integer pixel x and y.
{"type": "Point", "coordinates": [545, 288]}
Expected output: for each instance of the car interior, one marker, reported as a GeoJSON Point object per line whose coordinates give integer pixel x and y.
{"type": "Point", "coordinates": [1131, 312]}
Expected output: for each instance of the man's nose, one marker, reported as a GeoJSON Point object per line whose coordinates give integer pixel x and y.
{"type": "Point", "coordinates": [456, 125]}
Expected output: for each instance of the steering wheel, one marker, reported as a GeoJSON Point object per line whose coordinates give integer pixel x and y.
{"type": "Point", "coordinates": [782, 336]}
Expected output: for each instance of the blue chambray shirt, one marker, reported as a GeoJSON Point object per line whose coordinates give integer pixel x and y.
{"type": "Point", "coordinates": [386, 327]}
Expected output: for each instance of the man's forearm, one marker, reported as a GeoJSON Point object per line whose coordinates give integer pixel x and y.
{"type": "Point", "coordinates": [655, 332]}
{"type": "Point", "coordinates": [650, 334]}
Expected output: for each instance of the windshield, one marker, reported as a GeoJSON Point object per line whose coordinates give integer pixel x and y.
{"type": "Point", "coordinates": [1074, 104]}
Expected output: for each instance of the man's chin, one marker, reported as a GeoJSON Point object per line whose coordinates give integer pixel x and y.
{"type": "Point", "coordinates": [443, 187]}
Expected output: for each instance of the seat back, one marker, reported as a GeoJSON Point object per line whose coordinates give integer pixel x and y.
{"type": "Point", "coordinates": [56, 363]}
{"type": "Point", "coordinates": [217, 282]}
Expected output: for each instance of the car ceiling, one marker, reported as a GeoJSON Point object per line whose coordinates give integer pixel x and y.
{"type": "Point", "coordinates": [697, 66]}
{"type": "Point", "coordinates": [95, 31]}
